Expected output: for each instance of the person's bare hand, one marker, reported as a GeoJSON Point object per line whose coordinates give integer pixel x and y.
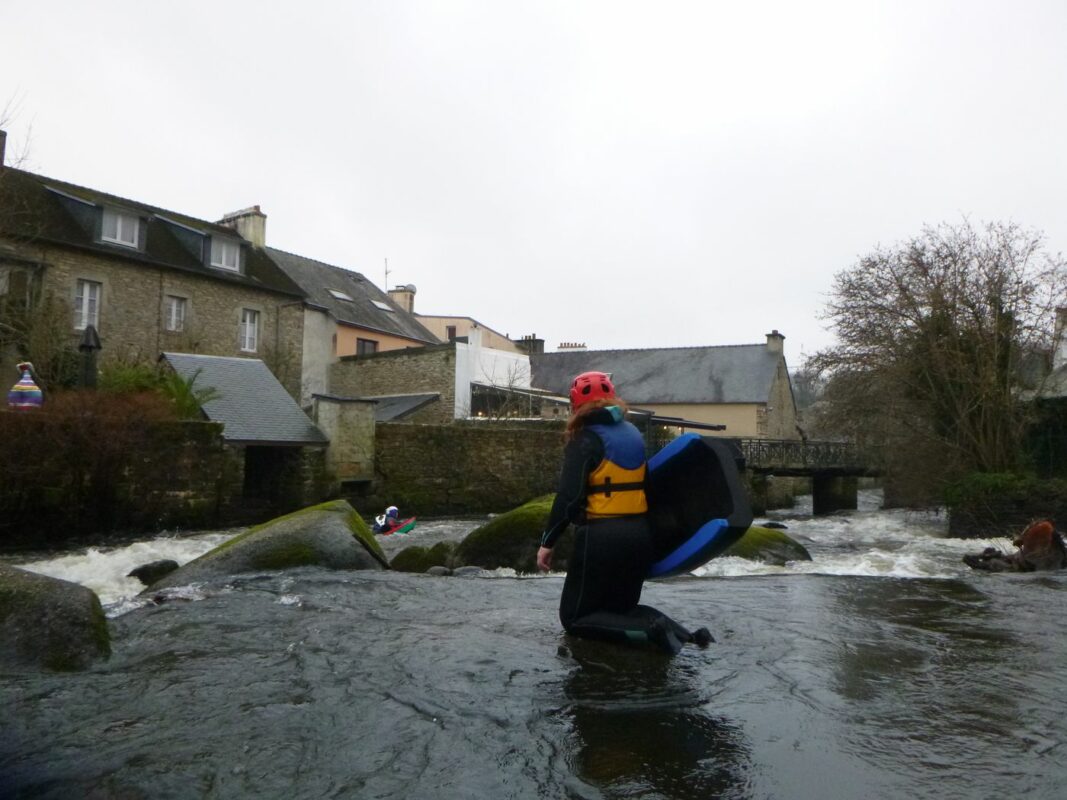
{"type": "Point", "coordinates": [544, 558]}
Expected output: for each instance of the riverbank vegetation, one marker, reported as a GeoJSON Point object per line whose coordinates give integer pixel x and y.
{"type": "Point", "coordinates": [944, 342]}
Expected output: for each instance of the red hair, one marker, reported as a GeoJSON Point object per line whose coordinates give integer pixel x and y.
{"type": "Point", "coordinates": [578, 416]}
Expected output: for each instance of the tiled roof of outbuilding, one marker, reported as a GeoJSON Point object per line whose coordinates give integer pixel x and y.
{"type": "Point", "coordinates": [252, 405]}
{"type": "Point", "coordinates": [316, 278]}
{"type": "Point", "coordinates": [725, 374]}
{"type": "Point", "coordinates": [36, 208]}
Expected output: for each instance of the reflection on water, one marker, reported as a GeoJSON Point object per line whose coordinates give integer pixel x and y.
{"type": "Point", "coordinates": [641, 729]}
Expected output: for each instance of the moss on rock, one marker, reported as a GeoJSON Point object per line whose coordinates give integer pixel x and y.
{"type": "Point", "coordinates": [511, 540]}
{"type": "Point", "coordinates": [329, 534]}
{"type": "Point", "coordinates": [420, 559]}
{"type": "Point", "coordinates": [769, 545]}
{"type": "Point", "coordinates": [47, 623]}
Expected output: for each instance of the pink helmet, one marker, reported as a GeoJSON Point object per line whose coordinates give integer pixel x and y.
{"type": "Point", "coordinates": [591, 386]}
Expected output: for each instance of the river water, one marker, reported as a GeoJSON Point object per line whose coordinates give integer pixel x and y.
{"type": "Point", "coordinates": [884, 668]}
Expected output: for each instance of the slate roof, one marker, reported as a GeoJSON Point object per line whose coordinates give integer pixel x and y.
{"type": "Point", "coordinates": [316, 278]}
{"type": "Point", "coordinates": [725, 374]}
{"type": "Point", "coordinates": [393, 407]}
{"type": "Point", "coordinates": [252, 405]}
{"type": "Point", "coordinates": [38, 208]}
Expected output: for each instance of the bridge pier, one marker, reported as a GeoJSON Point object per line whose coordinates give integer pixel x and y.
{"type": "Point", "coordinates": [831, 493]}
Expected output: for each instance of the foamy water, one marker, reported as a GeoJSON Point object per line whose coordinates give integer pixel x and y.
{"type": "Point", "coordinates": [866, 542]}
{"type": "Point", "coordinates": [104, 569]}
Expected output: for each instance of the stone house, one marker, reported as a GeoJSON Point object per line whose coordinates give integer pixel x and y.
{"type": "Point", "coordinates": [744, 387]}
{"type": "Point", "coordinates": [146, 279]}
{"type": "Point", "coordinates": [462, 379]}
{"type": "Point", "coordinates": [447, 328]}
{"type": "Point", "coordinates": [345, 314]}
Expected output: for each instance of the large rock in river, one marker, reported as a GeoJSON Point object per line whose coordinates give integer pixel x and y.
{"type": "Point", "coordinates": [328, 535]}
{"type": "Point", "coordinates": [769, 545]}
{"type": "Point", "coordinates": [47, 623]}
{"type": "Point", "coordinates": [511, 540]}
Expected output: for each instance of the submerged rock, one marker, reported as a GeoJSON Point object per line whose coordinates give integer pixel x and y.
{"type": "Point", "coordinates": [152, 571]}
{"type": "Point", "coordinates": [47, 623]}
{"type": "Point", "coordinates": [423, 559]}
{"type": "Point", "coordinates": [328, 535]}
{"type": "Point", "coordinates": [769, 545]}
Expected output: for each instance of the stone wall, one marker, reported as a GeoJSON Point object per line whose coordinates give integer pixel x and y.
{"type": "Point", "coordinates": [132, 311]}
{"type": "Point", "coordinates": [167, 476]}
{"type": "Point", "coordinates": [410, 371]}
{"type": "Point", "coordinates": [780, 421]}
{"type": "Point", "coordinates": [349, 425]}
{"type": "Point", "coordinates": [464, 467]}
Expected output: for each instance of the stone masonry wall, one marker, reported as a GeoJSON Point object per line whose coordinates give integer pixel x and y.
{"type": "Point", "coordinates": [463, 467]}
{"type": "Point", "coordinates": [132, 312]}
{"type": "Point", "coordinates": [349, 425]}
{"type": "Point", "coordinates": [410, 371]}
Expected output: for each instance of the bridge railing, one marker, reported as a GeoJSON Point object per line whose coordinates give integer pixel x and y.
{"type": "Point", "coordinates": [782, 454]}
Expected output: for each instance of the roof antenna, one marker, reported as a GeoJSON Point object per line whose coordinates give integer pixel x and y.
{"type": "Point", "coordinates": [387, 274]}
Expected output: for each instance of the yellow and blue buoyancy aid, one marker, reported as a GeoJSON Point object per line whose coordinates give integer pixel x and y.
{"type": "Point", "coordinates": [617, 486]}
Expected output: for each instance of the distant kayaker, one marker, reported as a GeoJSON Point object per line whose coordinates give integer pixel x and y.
{"type": "Point", "coordinates": [601, 491]}
{"type": "Point", "coordinates": [387, 522]}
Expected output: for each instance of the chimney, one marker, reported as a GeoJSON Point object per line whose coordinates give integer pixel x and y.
{"type": "Point", "coordinates": [531, 345]}
{"type": "Point", "coordinates": [1059, 348]}
{"type": "Point", "coordinates": [404, 296]}
{"type": "Point", "coordinates": [775, 342]}
{"type": "Point", "coordinates": [250, 224]}
{"type": "Point", "coordinates": [3, 145]}
{"type": "Point", "coordinates": [577, 347]}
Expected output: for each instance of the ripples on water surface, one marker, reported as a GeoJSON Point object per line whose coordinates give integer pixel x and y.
{"type": "Point", "coordinates": [881, 670]}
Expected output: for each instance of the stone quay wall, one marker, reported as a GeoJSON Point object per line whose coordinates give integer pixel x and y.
{"type": "Point", "coordinates": [465, 467]}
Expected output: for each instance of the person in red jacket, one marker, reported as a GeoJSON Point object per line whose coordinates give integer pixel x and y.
{"type": "Point", "coordinates": [601, 491]}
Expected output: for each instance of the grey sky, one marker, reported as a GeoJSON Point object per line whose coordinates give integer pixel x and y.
{"type": "Point", "coordinates": [622, 174]}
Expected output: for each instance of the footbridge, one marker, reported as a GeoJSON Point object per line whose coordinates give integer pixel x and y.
{"type": "Point", "coordinates": [832, 466]}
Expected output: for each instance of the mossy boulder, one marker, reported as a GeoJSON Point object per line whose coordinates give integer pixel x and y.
{"type": "Point", "coordinates": [420, 559]}
{"type": "Point", "coordinates": [512, 539]}
{"type": "Point", "coordinates": [49, 624]}
{"type": "Point", "coordinates": [769, 545]}
{"type": "Point", "coordinates": [328, 535]}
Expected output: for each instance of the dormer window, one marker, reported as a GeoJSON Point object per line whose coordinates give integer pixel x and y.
{"type": "Point", "coordinates": [120, 228]}
{"type": "Point", "coordinates": [225, 254]}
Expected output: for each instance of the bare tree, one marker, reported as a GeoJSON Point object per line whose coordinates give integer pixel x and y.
{"type": "Point", "coordinates": [938, 337]}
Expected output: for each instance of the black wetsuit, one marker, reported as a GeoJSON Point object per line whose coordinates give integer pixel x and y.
{"type": "Point", "coordinates": [611, 558]}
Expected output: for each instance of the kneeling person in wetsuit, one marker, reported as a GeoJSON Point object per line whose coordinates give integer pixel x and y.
{"type": "Point", "coordinates": [601, 490]}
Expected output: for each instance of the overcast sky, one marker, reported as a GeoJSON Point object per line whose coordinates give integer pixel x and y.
{"type": "Point", "coordinates": [615, 173]}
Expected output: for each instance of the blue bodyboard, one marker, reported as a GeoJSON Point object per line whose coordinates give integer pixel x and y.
{"type": "Point", "coordinates": [697, 505]}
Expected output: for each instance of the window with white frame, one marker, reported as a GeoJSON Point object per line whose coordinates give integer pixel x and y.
{"type": "Point", "coordinates": [87, 304]}
{"type": "Point", "coordinates": [175, 313]}
{"type": "Point", "coordinates": [249, 333]}
{"type": "Point", "coordinates": [225, 254]}
{"type": "Point", "coordinates": [121, 228]}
